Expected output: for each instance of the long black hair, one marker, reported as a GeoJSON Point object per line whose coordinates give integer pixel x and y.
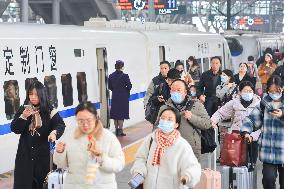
{"type": "Point", "coordinates": [44, 104]}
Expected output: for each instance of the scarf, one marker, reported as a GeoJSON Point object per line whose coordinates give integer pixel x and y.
{"type": "Point", "coordinates": [163, 141]}
{"type": "Point", "coordinates": [36, 122]}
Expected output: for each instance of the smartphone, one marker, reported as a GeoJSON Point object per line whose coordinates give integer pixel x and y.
{"type": "Point", "coordinates": [28, 107]}
{"type": "Point", "coordinates": [136, 181]}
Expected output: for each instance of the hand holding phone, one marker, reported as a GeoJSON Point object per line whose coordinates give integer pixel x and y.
{"type": "Point", "coordinates": [136, 181]}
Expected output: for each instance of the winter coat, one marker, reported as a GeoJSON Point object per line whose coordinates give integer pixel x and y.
{"type": "Point", "coordinates": [194, 72]}
{"type": "Point", "coordinates": [32, 159]}
{"type": "Point", "coordinates": [178, 160]}
{"type": "Point", "coordinates": [120, 85]}
{"type": "Point", "coordinates": [75, 157]}
{"type": "Point", "coordinates": [236, 111]}
{"type": "Point", "coordinates": [155, 83]}
{"type": "Point", "coordinates": [208, 83]}
{"type": "Point", "coordinates": [265, 76]}
{"type": "Point", "coordinates": [245, 78]}
{"type": "Point", "coordinates": [199, 119]}
{"type": "Point", "coordinates": [280, 72]}
{"type": "Point", "coordinates": [271, 148]}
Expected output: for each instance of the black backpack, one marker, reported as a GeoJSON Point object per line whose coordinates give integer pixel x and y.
{"type": "Point", "coordinates": [208, 143]}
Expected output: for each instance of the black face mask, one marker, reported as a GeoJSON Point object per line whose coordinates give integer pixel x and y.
{"type": "Point", "coordinates": [180, 72]}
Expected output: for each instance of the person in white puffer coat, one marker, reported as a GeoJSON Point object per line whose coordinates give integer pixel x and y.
{"type": "Point", "coordinates": [88, 143]}
{"type": "Point", "coordinates": [165, 159]}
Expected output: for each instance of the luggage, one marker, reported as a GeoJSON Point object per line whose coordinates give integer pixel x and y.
{"type": "Point", "coordinates": [234, 150]}
{"type": "Point", "coordinates": [210, 179]}
{"type": "Point", "coordinates": [240, 177]}
{"type": "Point", "coordinates": [55, 178]}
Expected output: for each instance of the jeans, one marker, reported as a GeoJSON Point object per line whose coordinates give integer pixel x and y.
{"type": "Point", "coordinates": [269, 173]}
{"type": "Point", "coordinates": [211, 105]}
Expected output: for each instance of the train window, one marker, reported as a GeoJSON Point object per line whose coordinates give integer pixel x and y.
{"type": "Point", "coordinates": [235, 46]}
{"type": "Point", "coordinates": [78, 52]}
{"type": "Point", "coordinates": [11, 98]}
{"type": "Point", "coordinates": [29, 81]}
{"type": "Point", "coordinates": [50, 84]}
{"type": "Point", "coordinates": [82, 86]}
{"type": "Point", "coordinates": [206, 64]}
{"type": "Point", "coordinates": [67, 90]}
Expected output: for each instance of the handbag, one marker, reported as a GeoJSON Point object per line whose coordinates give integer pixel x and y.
{"type": "Point", "coordinates": [234, 151]}
{"type": "Point", "coordinates": [208, 143]}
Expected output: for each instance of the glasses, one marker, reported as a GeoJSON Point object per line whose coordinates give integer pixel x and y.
{"type": "Point", "coordinates": [82, 122]}
{"type": "Point", "coordinates": [247, 91]}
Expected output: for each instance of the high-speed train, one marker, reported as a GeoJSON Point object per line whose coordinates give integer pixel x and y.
{"type": "Point", "coordinates": [243, 44]}
{"type": "Point", "coordinates": [74, 63]}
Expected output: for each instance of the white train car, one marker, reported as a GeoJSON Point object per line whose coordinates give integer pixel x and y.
{"type": "Point", "coordinates": [251, 44]}
{"type": "Point", "coordinates": [74, 63]}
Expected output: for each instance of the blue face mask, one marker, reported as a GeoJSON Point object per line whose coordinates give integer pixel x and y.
{"type": "Point", "coordinates": [247, 96]}
{"type": "Point", "coordinates": [166, 126]}
{"type": "Point", "coordinates": [193, 93]}
{"type": "Point", "coordinates": [176, 97]}
{"type": "Point", "coordinates": [224, 79]}
{"type": "Point", "coordinates": [275, 96]}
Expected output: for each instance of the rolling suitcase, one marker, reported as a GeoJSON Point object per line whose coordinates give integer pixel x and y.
{"type": "Point", "coordinates": [210, 179]}
{"type": "Point", "coordinates": [240, 177]}
{"type": "Point", "coordinates": [55, 178]}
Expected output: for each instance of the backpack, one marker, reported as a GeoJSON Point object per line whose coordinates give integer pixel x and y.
{"type": "Point", "coordinates": [152, 110]}
{"type": "Point", "coordinates": [208, 143]}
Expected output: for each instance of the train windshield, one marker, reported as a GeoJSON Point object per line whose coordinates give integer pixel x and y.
{"type": "Point", "coordinates": [235, 46]}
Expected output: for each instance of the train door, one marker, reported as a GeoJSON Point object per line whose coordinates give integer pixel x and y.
{"type": "Point", "coordinates": [103, 87]}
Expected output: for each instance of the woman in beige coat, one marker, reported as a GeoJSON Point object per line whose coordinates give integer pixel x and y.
{"type": "Point", "coordinates": [165, 159]}
{"type": "Point", "coordinates": [89, 142]}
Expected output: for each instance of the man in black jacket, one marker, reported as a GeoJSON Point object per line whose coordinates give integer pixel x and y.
{"type": "Point", "coordinates": [156, 81]}
{"type": "Point", "coordinates": [280, 72]}
{"type": "Point", "coordinates": [207, 86]}
{"type": "Point", "coordinates": [162, 94]}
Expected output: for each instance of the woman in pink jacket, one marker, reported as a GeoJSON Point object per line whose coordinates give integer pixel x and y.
{"type": "Point", "coordinates": [238, 109]}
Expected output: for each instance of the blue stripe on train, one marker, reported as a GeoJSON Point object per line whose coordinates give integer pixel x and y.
{"type": "Point", "coordinates": [5, 129]}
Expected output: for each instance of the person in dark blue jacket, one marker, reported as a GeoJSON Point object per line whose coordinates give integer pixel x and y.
{"type": "Point", "coordinates": [120, 85]}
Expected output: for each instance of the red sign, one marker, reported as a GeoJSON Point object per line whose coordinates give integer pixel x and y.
{"type": "Point", "coordinates": [128, 4]}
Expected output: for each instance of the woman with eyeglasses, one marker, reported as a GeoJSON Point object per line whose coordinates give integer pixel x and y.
{"type": "Point", "coordinates": [269, 118]}
{"type": "Point", "coordinates": [89, 142]}
{"type": "Point", "coordinates": [239, 108]}
{"type": "Point", "coordinates": [165, 159]}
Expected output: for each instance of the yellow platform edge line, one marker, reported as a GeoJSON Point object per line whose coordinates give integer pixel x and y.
{"type": "Point", "coordinates": [130, 152]}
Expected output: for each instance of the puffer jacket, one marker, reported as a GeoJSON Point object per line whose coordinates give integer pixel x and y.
{"type": "Point", "coordinates": [200, 119]}
{"type": "Point", "coordinates": [236, 111]}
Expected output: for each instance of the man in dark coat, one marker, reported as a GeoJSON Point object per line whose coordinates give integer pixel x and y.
{"type": "Point", "coordinates": [207, 86]}
{"type": "Point", "coordinates": [161, 95]}
{"type": "Point", "coordinates": [120, 85]}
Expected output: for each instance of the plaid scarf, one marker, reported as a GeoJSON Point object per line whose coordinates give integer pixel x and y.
{"type": "Point", "coordinates": [163, 141]}
{"type": "Point", "coordinates": [36, 122]}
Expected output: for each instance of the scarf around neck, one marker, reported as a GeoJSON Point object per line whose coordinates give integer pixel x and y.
{"type": "Point", "coordinates": [163, 141]}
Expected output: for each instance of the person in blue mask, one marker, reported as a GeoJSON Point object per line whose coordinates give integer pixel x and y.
{"type": "Point", "coordinates": [236, 110]}
{"type": "Point", "coordinates": [194, 115]}
{"type": "Point", "coordinates": [269, 118]}
{"type": "Point", "coordinates": [165, 159]}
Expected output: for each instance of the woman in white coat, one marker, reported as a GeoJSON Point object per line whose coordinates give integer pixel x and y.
{"type": "Point", "coordinates": [165, 159]}
{"type": "Point", "coordinates": [90, 142]}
